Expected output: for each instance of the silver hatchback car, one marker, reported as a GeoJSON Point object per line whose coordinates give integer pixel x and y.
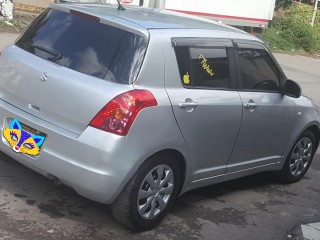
{"type": "Point", "coordinates": [135, 107]}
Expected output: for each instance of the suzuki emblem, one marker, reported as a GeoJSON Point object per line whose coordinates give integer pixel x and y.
{"type": "Point", "coordinates": [44, 77]}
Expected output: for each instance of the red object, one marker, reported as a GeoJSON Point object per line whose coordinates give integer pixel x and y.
{"type": "Point", "coordinates": [119, 114]}
{"type": "Point", "coordinates": [84, 15]}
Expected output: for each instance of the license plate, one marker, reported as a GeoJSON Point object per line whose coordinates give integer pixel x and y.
{"type": "Point", "coordinates": [31, 130]}
{"type": "Point", "coordinates": [23, 139]}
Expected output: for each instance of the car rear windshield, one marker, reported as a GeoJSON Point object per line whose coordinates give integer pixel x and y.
{"type": "Point", "coordinates": [81, 43]}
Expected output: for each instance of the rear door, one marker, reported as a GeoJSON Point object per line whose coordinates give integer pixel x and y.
{"type": "Point", "coordinates": [200, 82]}
{"type": "Point", "coordinates": [268, 115]}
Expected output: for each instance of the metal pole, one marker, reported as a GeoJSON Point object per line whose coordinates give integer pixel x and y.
{"type": "Point", "coordinates": [314, 12]}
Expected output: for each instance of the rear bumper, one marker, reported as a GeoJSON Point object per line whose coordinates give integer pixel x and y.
{"type": "Point", "coordinates": [96, 164]}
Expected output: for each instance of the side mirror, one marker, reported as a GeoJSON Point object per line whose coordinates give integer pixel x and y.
{"type": "Point", "coordinates": [292, 89]}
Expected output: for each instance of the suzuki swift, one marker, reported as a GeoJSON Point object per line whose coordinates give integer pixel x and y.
{"type": "Point", "coordinates": [134, 107]}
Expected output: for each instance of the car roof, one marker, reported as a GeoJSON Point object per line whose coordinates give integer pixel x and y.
{"type": "Point", "coordinates": [146, 18]}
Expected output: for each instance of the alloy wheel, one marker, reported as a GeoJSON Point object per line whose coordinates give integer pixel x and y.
{"type": "Point", "coordinates": [301, 156]}
{"type": "Point", "coordinates": [155, 192]}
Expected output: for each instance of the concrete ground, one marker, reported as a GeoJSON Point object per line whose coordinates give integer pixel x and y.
{"type": "Point", "coordinates": [7, 38]}
{"type": "Point", "coordinates": [255, 207]}
{"type": "Point", "coordinates": [311, 231]}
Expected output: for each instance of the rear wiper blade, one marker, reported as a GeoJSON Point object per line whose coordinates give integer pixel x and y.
{"type": "Point", "coordinates": [55, 55]}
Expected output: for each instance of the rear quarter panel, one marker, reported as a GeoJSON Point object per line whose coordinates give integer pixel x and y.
{"type": "Point", "coordinates": [155, 128]}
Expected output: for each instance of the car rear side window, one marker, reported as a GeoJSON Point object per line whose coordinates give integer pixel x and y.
{"type": "Point", "coordinates": [210, 67]}
{"type": "Point", "coordinates": [203, 67]}
{"type": "Point", "coordinates": [85, 45]}
{"type": "Point", "coordinates": [258, 71]}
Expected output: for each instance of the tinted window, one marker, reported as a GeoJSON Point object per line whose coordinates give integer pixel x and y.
{"type": "Point", "coordinates": [203, 67]}
{"type": "Point", "coordinates": [183, 58]}
{"type": "Point", "coordinates": [81, 43]}
{"type": "Point", "coordinates": [210, 67]}
{"type": "Point", "coordinates": [257, 70]}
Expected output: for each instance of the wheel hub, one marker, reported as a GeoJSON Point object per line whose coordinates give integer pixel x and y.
{"type": "Point", "coordinates": [156, 193]}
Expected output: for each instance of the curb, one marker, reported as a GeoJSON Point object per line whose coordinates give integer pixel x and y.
{"type": "Point", "coordinates": [28, 8]}
{"type": "Point", "coordinates": [311, 231]}
{"type": "Point", "coordinates": [305, 232]}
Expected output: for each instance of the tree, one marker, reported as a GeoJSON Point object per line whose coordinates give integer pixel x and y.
{"type": "Point", "coordinates": [283, 3]}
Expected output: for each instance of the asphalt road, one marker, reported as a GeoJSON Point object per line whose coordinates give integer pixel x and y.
{"type": "Point", "coordinates": [255, 207]}
{"type": "Point", "coordinates": [304, 70]}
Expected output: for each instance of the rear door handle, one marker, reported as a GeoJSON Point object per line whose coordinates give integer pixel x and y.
{"type": "Point", "coordinates": [188, 104]}
{"type": "Point", "coordinates": [251, 105]}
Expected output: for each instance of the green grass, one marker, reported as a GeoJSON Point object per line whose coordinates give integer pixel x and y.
{"type": "Point", "coordinates": [2, 23]}
{"type": "Point", "coordinates": [276, 42]}
{"type": "Point", "coordinates": [292, 32]}
{"type": "Point", "coordinates": [20, 22]}
{"type": "Point", "coordinates": [16, 25]}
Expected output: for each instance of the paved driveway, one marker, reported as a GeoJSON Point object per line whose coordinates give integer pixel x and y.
{"type": "Point", "coordinates": [7, 38]}
{"type": "Point", "coordinates": [255, 207]}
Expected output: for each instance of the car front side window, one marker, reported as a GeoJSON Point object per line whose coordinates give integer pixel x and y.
{"type": "Point", "coordinates": [257, 70]}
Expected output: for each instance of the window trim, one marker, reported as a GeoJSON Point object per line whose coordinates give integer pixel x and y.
{"type": "Point", "coordinates": [200, 42]}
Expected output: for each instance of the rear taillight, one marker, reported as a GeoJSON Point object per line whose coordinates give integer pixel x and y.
{"type": "Point", "coordinates": [119, 114]}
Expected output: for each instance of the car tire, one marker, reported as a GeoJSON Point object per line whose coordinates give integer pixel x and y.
{"type": "Point", "coordinates": [156, 194]}
{"type": "Point", "coordinates": [299, 159]}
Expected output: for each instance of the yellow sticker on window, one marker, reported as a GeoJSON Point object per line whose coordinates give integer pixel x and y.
{"type": "Point", "coordinates": [205, 65]}
{"type": "Point", "coordinates": [186, 78]}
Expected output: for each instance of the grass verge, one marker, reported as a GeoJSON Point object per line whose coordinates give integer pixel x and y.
{"type": "Point", "coordinates": [18, 24]}
{"type": "Point", "coordinates": [291, 31]}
